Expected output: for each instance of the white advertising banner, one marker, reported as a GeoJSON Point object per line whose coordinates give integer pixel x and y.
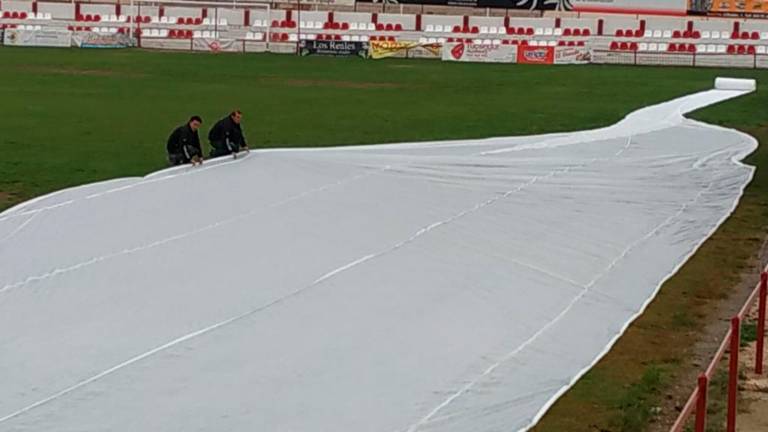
{"type": "Point", "coordinates": [166, 44]}
{"type": "Point", "coordinates": [572, 55]}
{"type": "Point", "coordinates": [670, 7]}
{"type": "Point", "coordinates": [37, 38]}
{"type": "Point", "coordinates": [98, 40]}
{"type": "Point", "coordinates": [216, 45]}
{"type": "Point", "coordinates": [480, 53]}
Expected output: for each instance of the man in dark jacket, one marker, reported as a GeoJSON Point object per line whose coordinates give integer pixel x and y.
{"type": "Point", "coordinates": [184, 144]}
{"type": "Point", "coordinates": [226, 136]}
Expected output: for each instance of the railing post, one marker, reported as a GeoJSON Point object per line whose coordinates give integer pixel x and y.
{"type": "Point", "coordinates": [761, 323]}
{"type": "Point", "coordinates": [733, 373]}
{"type": "Point", "coordinates": [701, 404]}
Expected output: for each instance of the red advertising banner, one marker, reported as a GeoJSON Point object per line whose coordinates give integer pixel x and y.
{"type": "Point", "coordinates": [535, 55]}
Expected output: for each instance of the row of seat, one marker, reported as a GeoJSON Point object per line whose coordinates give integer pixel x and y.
{"type": "Point", "coordinates": [26, 15]}
{"type": "Point", "coordinates": [145, 19]}
{"type": "Point", "coordinates": [686, 34]}
{"type": "Point", "coordinates": [688, 48]}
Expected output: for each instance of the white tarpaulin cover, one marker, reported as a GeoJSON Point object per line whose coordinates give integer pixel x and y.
{"type": "Point", "coordinates": [447, 286]}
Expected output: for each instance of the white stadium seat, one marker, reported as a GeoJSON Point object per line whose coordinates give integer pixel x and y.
{"type": "Point", "coordinates": [493, 30]}
{"type": "Point", "coordinates": [657, 34]}
{"type": "Point", "coordinates": [371, 26]}
{"type": "Point", "coordinates": [355, 38]}
{"type": "Point", "coordinates": [711, 48]}
{"type": "Point", "coordinates": [725, 34]}
{"type": "Point", "coordinates": [706, 35]}
{"type": "Point", "coordinates": [345, 38]}
{"type": "Point", "coordinates": [721, 49]}
{"type": "Point", "coordinates": [164, 20]}
{"type": "Point", "coordinates": [440, 29]}
{"type": "Point", "coordinates": [318, 25]}
{"type": "Point", "coordinates": [558, 32]}
{"type": "Point", "coordinates": [422, 40]}
{"type": "Point", "coordinates": [764, 35]}
{"type": "Point", "coordinates": [663, 47]}
{"type": "Point", "coordinates": [538, 31]}
{"type": "Point", "coordinates": [484, 30]}
{"type": "Point", "coordinates": [353, 26]}
{"type": "Point", "coordinates": [206, 34]}
{"type": "Point", "coordinates": [761, 49]}
{"type": "Point", "coordinates": [430, 28]}
{"type": "Point", "coordinates": [364, 38]}
{"type": "Point", "coordinates": [496, 42]}
{"type": "Point", "coordinates": [222, 21]}
{"type": "Point", "coordinates": [642, 46]}
{"type": "Point", "coordinates": [199, 34]}
{"type": "Point", "coordinates": [666, 34]}
{"type": "Point", "coordinates": [552, 43]}
{"type": "Point", "coordinates": [548, 31]}
{"type": "Point", "coordinates": [653, 47]}
{"type": "Point", "coordinates": [648, 34]}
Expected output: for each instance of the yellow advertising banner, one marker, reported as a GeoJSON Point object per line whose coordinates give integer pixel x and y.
{"type": "Point", "coordinates": [404, 49]}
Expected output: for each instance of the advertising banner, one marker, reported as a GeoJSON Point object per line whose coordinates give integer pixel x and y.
{"type": "Point", "coordinates": [97, 40]}
{"type": "Point", "coordinates": [334, 48]}
{"type": "Point", "coordinates": [733, 8]}
{"type": "Point", "coordinates": [216, 45]}
{"type": "Point", "coordinates": [536, 55]}
{"type": "Point", "coordinates": [380, 50]}
{"type": "Point", "coordinates": [480, 53]}
{"type": "Point", "coordinates": [665, 7]}
{"type": "Point", "coordinates": [572, 55]}
{"type": "Point", "coordinates": [37, 38]}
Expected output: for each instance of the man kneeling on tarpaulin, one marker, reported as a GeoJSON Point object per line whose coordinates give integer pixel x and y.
{"type": "Point", "coordinates": [184, 143]}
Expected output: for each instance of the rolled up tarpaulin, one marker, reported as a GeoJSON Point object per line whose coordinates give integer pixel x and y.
{"type": "Point", "coordinates": [735, 84]}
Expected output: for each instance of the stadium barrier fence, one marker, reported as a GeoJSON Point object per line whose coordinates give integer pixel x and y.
{"type": "Point", "coordinates": [697, 402]}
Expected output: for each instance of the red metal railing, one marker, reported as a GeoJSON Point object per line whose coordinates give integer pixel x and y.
{"type": "Point", "coordinates": [697, 402]}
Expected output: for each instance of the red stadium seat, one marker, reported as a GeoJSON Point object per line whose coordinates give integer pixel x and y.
{"type": "Point", "coordinates": [121, 30]}
{"type": "Point", "coordinates": [23, 15]}
{"type": "Point", "coordinates": [70, 28]}
{"type": "Point", "coordinates": [571, 43]}
{"type": "Point", "coordinates": [586, 32]}
{"type": "Point", "coordinates": [146, 19]}
{"type": "Point", "coordinates": [179, 20]}
{"type": "Point", "coordinates": [686, 34]}
{"type": "Point", "coordinates": [515, 42]}
{"type": "Point", "coordinates": [731, 49]}
{"type": "Point", "coordinates": [676, 34]}
{"type": "Point", "coordinates": [524, 42]}
{"type": "Point", "coordinates": [172, 34]}
{"type": "Point", "coordinates": [696, 34]}
{"type": "Point", "coordinates": [672, 48]}
{"type": "Point", "coordinates": [510, 30]}
{"type": "Point", "coordinates": [682, 47]}
{"type": "Point", "coordinates": [561, 43]}
{"type": "Point", "coordinates": [529, 31]}
{"type": "Point", "coordinates": [389, 27]}
{"type": "Point", "coordinates": [614, 46]}
{"type": "Point", "coordinates": [745, 35]}
{"type": "Point", "coordinates": [465, 29]}
{"type": "Point", "coordinates": [335, 26]}
{"type": "Point", "coordinates": [577, 32]}
{"type": "Point", "coordinates": [398, 27]}
{"type": "Point", "coordinates": [326, 25]}
{"type": "Point", "coordinates": [735, 35]}
{"type": "Point", "coordinates": [6, 14]}
{"type": "Point", "coordinates": [755, 36]}
{"type": "Point", "coordinates": [638, 33]}
{"type": "Point", "coordinates": [624, 46]}
{"type": "Point", "coordinates": [276, 23]}
{"type": "Point", "coordinates": [751, 50]}
{"type": "Point", "coordinates": [391, 38]}
{"type": "Point", "coordinates": [633, 46]}
{"type": "Point", "coordinates": [449, 40]}
{"type": "Point", "coordinates": [741, 49]}
{"type": "Point", "coordinates": [345, 26]}
{"type": "Point", "coordinates": [567, 31]}
{"type": "Point", "coordinates": [505, 41]}
{"type": "Point", "coordinates": [283, 24]}
{"type": "Point", "coordinates": [88, 18]}
{"type": "Point", "coordinates": [456, 29]}
{"type": "Point", "coordinates": [335, 37]}
{"type": "Point", "coordinates": [198, 21]}
{"type": "Point", "coordinates": [580, 43]}
{"type": "Point", "coordinates": [475, 30]}
{"type": "Point", "coordinates": [379, 27]}
{"type": "Point", "coordinates": [691, 48]}
{"type": "Point", "coordinates": [521, 31]}
{"type": "Point", "coordinates": [619, 33]}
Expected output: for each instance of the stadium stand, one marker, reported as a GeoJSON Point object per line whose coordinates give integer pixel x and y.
{"type": "Point", "coordinates": [281, 29]}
